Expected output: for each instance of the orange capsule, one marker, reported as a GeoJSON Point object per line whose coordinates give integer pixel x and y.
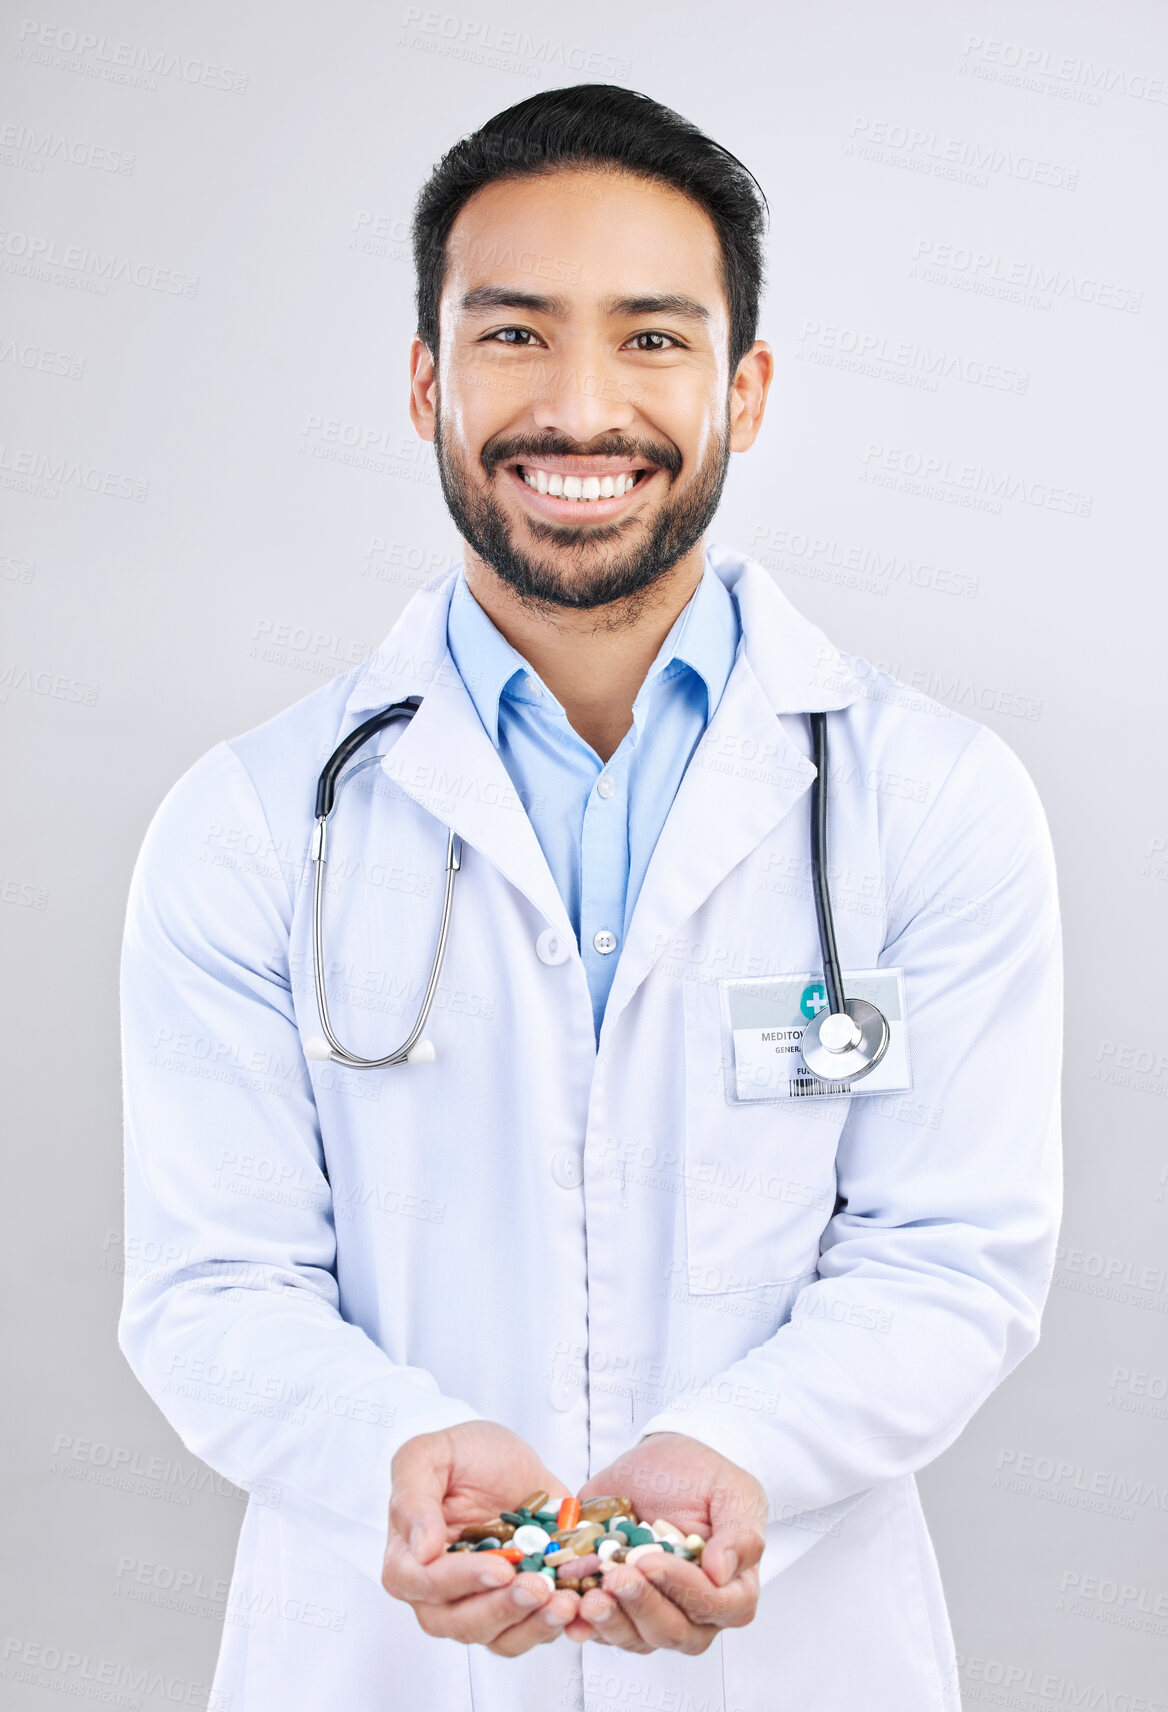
{"type": "Point", "coordinates": [568, 1513]}
{"type": "Point", "coordinates": [511, 1553]}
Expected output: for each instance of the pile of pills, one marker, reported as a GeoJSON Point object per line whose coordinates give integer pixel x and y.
{"type": "Point", "coordinates": [574, 1544]}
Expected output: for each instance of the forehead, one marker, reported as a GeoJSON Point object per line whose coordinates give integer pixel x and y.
{"type": "Point", "coordinates": [585, 235]}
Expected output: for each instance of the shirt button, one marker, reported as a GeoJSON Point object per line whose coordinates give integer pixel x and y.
{"type": "Point", "coordinates": [604, 941]}
{"type": "Point", "coordinates": [534, 686]}
{"type": "Point", "coordinates": [567, 1168]}
{"type": "Point", "coordinates": [604, 786]}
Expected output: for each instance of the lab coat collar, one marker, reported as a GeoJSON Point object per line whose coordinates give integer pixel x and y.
{"type": "Point", "coordinates": [443, 759]}
{"type": "Point", "coordinates": [798, 670]}
{"type": "Point", "coordinates": [745, 776]}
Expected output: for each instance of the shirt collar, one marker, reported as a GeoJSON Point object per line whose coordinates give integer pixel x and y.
{"type": "Point", "coordinates": [704, 637]}
{"type": "Point", "coordinates": [485, 659]}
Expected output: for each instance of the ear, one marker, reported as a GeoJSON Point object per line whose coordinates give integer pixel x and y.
{"type": "Point", "coordinates": [423, 387]}
{"type": "Point", "coordinates": [748, 395]}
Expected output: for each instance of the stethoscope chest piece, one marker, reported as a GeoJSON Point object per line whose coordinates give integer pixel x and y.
{"type": "Point", "coordinates": [837, 1052]}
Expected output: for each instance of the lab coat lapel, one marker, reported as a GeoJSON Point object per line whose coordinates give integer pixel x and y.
{"type": "Point", "coordinates": [443, 759]}
{"type": "Point", "coordinates": [746, 774]}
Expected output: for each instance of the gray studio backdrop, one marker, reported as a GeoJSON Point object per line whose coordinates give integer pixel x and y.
{"type": "Point", "coordinates": [213, 500]}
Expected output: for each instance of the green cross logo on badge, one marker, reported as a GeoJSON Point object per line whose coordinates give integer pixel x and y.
{"type": "Point", "coordinates": [814, 1000]}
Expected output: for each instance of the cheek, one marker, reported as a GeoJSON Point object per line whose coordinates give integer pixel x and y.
{"type": "Point", "coordinates": [474, 411]}
{"type": "Point", "coordinates": [457, 419]}
{"type": "Point", "coordinates": [715, 418]}
{"type": "Point", "coordinates": [696, 422]}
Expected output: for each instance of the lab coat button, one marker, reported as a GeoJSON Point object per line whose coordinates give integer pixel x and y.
{"type": "Point", "coordinates": [551, 947]}
{"type": "Point", "coordinates": [567, 1168]}
{"type": "Point", "coordinates": [604, 941]}
{"type": "Point", "coordinates": [562, 1395]}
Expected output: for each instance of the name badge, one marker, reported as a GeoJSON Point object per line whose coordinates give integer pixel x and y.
{"type": "Point", "coordinates": [766, 1018]}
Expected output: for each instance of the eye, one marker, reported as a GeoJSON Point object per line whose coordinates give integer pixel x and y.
{"type": "Point", "coordinates": [516, 336]}
{"type": "Point", "coordinates": [668, 337]}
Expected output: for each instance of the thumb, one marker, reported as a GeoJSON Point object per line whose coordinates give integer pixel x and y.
{"type": "Point", "coordinates": [738, 1513]}
{"type": "Point", "coordinates": [420, 1472]}
{"type": "Point", "coordinates": [723, 1555]}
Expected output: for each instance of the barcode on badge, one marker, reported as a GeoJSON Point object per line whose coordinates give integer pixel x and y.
{"type": "Point", "coordinates": [802, 1086]}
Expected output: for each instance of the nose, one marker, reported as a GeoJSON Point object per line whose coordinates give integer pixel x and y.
{"type": "Point", "coordinates": [585, 395]}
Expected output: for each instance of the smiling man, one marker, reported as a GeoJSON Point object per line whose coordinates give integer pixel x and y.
{"type": "Point", "coordinates": [605, 1230]}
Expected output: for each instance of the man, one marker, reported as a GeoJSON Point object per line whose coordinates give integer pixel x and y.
{"type": "Point", "coordinates": [583, 1250]}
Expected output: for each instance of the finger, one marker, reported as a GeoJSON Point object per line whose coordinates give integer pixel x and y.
{"type": "Point", "coordinates": [728, 1607]}
{"type": "Point", "coordinates": [730, 1549]}
{"type": "Point", "coordinates": [420, 1472]}
{"type": "Point", "coordinates": [579, 1630]}
{"type": "Point", "coordinates": [657, 1620]}
{"type": "Point", "coordinates": [607, 1623]}
{"type": "Point", "coordinates": [542, 1626]}
{"type": "Point", "coordinates": [484, 1617]}
{"type": "Point", "coordinates": [451, 1575]}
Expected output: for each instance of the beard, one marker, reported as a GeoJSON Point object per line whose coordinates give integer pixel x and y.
{"type": "Point", "coordinates": [572, 571]}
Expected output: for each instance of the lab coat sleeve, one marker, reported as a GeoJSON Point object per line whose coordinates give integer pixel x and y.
{"type": "Point", "coordinates": [934, 1270]}
{"type": "Point", "coordinates": [231, 1316]}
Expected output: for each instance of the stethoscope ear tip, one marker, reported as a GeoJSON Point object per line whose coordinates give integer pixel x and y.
{"type": "Point", "coordinates": [422, 1052]}
{"type": "Point", "coordinates": [318, 1049]}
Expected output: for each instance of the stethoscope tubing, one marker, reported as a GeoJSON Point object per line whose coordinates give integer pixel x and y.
{"type": "Point", "coordinates": [326, 787]}
{"type": "Point", "coordinates": [400, 1054]}
{"type": "Point", "coordinates": [832, 978]}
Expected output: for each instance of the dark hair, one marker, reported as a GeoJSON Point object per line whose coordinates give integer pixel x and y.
{"type": "Point", "coordinates": [602, 125]}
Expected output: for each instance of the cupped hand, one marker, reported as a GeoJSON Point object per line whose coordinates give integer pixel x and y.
{"type": "Point", "coordinates": [441, 1482]}
{"type": "Point", "coordinates": [664, 1600]}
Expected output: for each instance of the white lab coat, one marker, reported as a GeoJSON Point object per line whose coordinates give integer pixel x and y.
{"type": "Point", "coordinates": [587, 1243]}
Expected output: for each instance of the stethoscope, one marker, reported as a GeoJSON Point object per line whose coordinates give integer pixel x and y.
{"type": "Point", "coordinates": [843, 1042]}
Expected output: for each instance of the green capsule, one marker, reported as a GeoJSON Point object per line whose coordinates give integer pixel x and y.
{"type": "Point", "coordinates": [533, 1561]}
{"type": "Point", "coordinates": [546, 1518]}
{"type": "Point", "coordinates": [668, 1544]}
{"type": "Point", "coordinates": [640, 1537]}
{"type": "Point", "coordinates": [518, 1517]}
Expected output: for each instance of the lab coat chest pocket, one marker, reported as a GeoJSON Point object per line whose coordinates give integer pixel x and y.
{"type": "Point", "coordinates": [759, 1174]}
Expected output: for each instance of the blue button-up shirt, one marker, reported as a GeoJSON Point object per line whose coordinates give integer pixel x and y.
{"type": "Point", "coordinates": [597, 822]}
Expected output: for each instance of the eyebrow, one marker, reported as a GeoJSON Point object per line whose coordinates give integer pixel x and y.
{"type": "Point", "coordinates": [484, 297]}
{"type": "Point", "coordinates": [668, 303]}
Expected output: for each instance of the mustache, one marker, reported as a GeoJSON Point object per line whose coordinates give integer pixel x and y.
{"type": "Point", "coordinates": [505, 448]}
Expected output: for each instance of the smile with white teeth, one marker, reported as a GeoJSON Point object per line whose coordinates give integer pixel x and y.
{"type": "Point", "coordinates": [581, 487]}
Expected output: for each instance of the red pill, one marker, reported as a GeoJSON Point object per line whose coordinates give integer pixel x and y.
{"type": "Point", "coordinates": [568, 1513]}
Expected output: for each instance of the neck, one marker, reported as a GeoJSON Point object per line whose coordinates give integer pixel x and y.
{"type": "Point", "coordinates": [595, 661]}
